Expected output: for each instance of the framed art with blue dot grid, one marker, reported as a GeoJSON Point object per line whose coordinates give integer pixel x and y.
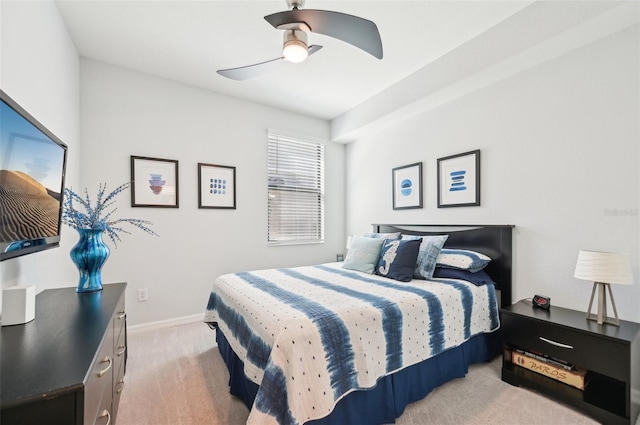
{"type": "Point", "coordinates": [459, 180]}
{"type": "Point", "coordinates": [216, 186]}
{"type": "Point", "coordinates": [407, 186]}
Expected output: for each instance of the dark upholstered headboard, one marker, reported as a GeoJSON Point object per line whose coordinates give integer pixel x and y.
{"type": "Point", "coordinates": [492, 240]}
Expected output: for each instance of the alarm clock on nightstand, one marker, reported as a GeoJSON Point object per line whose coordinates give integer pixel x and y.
{"type": "Point", "coordinates": [540, 301]}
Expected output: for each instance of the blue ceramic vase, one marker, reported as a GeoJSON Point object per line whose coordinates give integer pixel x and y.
{"type": "Point", "coordinates": [89, 255]}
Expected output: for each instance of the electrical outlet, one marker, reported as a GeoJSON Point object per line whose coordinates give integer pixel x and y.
{"type": "Point", "coordinates": [143, 294]}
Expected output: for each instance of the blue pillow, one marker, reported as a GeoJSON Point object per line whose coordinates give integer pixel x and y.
{"type": "Point", "coordinates": [478, 278]}
{"type": "Point", "coordinates": [398, 259]}
{"type": "Point", "coordinates": [427, 255]}
{"type": "Point", "coordinates": [462, 259]}
{"type": "Point", "coordinates": [363, 254]}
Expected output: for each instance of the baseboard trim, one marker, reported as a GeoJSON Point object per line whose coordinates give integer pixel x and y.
{"type": "Point", "coordinates": [169, 323]}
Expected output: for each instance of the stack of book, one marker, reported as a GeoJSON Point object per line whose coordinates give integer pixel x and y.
{"type": "Point", "coordinates": [550, 367]}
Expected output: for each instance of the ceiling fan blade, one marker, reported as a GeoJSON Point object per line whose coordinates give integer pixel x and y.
{"type": "Point", "coordinates": [251, 71]}
{"type": "Point", "coordinates": [258, 69]}
{"type": "Point", "coordinates": [354, 30]}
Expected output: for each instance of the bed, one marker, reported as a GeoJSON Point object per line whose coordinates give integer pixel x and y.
{"type": "Point", "coordinates": [324, 344]}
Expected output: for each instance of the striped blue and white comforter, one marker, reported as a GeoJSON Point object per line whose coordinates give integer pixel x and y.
{"type": "Point", "coordinates": [310, 335]}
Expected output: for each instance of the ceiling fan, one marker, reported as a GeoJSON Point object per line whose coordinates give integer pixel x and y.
{"type": "Point", "coordinates": [297, 23]}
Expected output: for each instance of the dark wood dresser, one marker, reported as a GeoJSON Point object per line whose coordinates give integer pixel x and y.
{"type": "Point", "coordinates": [605, 352]}
{"type": "Point", "coordinates": [67, 366]}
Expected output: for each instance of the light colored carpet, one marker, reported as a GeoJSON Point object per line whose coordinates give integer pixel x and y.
{"type": "Point", "coordinates": [175, 376]}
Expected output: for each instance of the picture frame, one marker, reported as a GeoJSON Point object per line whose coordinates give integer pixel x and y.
{"type": "Point", "coordinates": [154, 182]}
{"type": "Point", "coordinates": [459, 180]}
{"type": "Point", "coordinates": [216, 186]}
{"type": "Point", "coordinates": [407, 186]}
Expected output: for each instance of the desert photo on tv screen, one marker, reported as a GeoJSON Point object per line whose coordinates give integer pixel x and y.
{"type": "Point", "coordinates": [30, 179]}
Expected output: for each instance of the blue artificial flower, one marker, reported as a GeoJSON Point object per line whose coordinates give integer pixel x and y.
{"type": "Point", "coordinates": [95, 217]}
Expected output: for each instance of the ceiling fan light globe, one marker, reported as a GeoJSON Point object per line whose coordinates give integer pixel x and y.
{"type": "Point", "coordinates": [295, 51]}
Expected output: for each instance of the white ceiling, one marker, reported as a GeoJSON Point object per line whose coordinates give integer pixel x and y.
{"type": "Point", "coordinates": [187, 41]}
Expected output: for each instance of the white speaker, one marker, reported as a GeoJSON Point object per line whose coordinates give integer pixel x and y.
{"type": "Point", "coordinates": [18, 305]}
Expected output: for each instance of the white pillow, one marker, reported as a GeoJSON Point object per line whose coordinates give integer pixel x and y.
{"type": "Point", "coordinates": [462, 259]}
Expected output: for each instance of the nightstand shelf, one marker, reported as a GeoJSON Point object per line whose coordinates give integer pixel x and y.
{"type": "Point", "coordinates": [605, 351]}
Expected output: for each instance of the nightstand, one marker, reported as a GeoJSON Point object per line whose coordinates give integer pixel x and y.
{"type": "Point", "coordinates": [604, 351]}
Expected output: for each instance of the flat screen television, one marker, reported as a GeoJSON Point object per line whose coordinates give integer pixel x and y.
{"type": "Point", "coordinates": [32, 172]}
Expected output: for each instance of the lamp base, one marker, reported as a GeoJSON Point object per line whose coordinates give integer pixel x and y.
{"type": "Point", "coordinates": [601, 316]}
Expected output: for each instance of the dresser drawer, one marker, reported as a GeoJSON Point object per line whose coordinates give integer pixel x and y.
{"type": "Point", "coordinates": [586, 350]}
{"type": "Point", "coordinates": [104, 415]}
{"type": "Point", "coordinates": [120, 351]}
{"type": "Point", "coordinates": [118, 387]}
{"type": "Point", "coordinates": [100, 379]}
{"type": "Point", "coordinates": [119, 322]}
{"type": "Point", "coordinates": [119, 369]}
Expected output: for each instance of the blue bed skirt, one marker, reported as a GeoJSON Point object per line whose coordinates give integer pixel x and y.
{"type": "Point", "coordinates": [388, 399]}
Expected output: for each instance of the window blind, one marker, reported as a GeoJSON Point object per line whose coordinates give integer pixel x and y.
{"type": "Point", "coordinates": [296, 191]}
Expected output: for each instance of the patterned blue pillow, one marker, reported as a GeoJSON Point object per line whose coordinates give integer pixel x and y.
{"type": "Point", "coordinates": [427, 255]}
{"type": "Point", "coordinates": [462, 259]}
{"type": "Point", "coordinates": [363, 254]}
{"type": "Point", "coordinates": [398, 259]}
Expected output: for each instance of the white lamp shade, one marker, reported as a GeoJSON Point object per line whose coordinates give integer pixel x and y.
{"type": "Point", "coordinates": [605, 267]}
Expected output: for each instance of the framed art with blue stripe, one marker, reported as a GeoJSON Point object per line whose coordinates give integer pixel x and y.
{"type": "Point", "coordinates": [459, 180]}
{"type": "Point", "coordinates": [407, 186]}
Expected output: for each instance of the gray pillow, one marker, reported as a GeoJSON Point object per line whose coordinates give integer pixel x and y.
{"type": "Point", "coordinates": [363, 254]}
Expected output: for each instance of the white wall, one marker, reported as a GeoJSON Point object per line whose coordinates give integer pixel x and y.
{"type": "Point", "coordinates": [39, 69]}
{"type": "Point", "coordinates": [128, 113]}
{"type": "Point", "coordinates": [560, 154]}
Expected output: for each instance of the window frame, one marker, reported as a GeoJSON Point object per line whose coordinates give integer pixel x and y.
{"type": "Point", "coordinates": [297, 179]}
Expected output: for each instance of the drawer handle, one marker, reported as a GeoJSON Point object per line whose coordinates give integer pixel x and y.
{"type": "Point", "coordinates": [103, 371]}
{"type": "Point", "coordinates": [123, 350]}
{"type": "Point", "coordinates": [557, 344]}
{"type": "Point", "coordinates": [121, 315]}
{"type": "Point", "coordinates": [119, 390]}
{"type": "Point", "coordinates": [105, 414]}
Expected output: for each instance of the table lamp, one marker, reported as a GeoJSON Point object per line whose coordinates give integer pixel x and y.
{"type": "Point", "coordinates": [604, 269]}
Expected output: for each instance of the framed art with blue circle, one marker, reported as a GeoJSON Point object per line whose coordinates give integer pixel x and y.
{"type": "Point", "coordinates": [216, 186]}
{"type": "Point", "coordinates": [407, 186]}
{"type": "Point", "coordinates": [459, 180]}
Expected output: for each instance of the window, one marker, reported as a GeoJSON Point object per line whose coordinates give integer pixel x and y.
{"type": "Point", "coordinates": [296, 191]}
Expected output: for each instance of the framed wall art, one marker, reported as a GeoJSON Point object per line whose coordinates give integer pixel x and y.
{"type": "Point", "coordinates": [216, 186]}
{"type": "Point", "coordinates": [459, 180]}
{"type": "Point", "coordinates": [407, 186]}
{"type": "Point", "coordinates": [154, 182]}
